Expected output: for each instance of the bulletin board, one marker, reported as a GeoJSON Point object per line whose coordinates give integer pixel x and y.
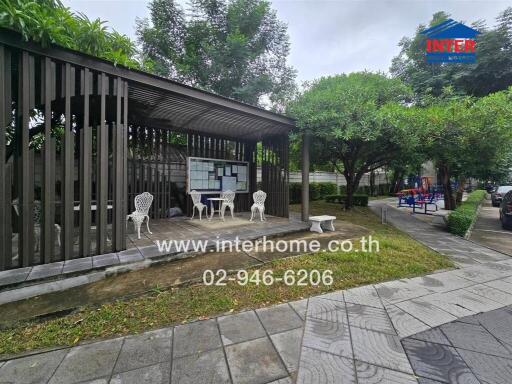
{"type": "Point", "coordinates": [217, 175]}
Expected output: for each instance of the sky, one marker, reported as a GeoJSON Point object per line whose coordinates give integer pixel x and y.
{"type": "Point", "coordinates": [328, 37]}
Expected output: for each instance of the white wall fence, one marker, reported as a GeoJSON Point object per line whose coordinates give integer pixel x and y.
{"type": "Point", "coordinates": [333, 177]}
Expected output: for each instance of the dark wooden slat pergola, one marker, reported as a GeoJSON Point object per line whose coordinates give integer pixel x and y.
{"type": "Point", "coordinates": [77, 131]}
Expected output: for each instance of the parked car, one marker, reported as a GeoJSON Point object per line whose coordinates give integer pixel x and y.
{"type": "Point", "coordinates": [490, 188]}
{"type": "Point", "coordinates": [497, 196]}
{"type": "Point", "coordinates": [506, 211]}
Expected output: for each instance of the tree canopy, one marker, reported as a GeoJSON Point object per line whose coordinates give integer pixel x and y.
{"type": "Point", "coordinates": [49, 22]}
{"type": "Point", "coordinates": [235, 48]}
{"type": "Point", "coordinates": [349, 116]}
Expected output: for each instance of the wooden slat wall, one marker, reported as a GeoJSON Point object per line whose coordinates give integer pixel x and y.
{"type": "Point", "coordinates": [275, 174]}
{"type": "Point", "coordinates": [85, 169]}
{"type": "Point", "coordinates": [5, 254]}
{"type": "Point", "coordinates": [48, 220]}
{"type": "Point", "coordinates": [25, 177]}
{"type": "Point", "coordinates": [68, 167]}
{"type": "Point", "coordinates": [102, 170]}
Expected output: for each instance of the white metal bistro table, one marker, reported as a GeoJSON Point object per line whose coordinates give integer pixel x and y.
{"type": "Point", "coordinates": [212, 206]}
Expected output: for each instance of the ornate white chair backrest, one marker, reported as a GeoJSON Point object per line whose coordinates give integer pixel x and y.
{"type": "Point", "coordinates": [143, 203]}
{"type": "Point", "coordinates": [259, 197]}
{"type": "Point", "coordinates": [196, 196]}
{"type": "Point", "coordinates": [229, 197]}
{"type": "Point", "coordinates": [37, 212]}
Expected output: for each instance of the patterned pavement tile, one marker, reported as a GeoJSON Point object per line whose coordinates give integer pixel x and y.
{"type": "Point", "coordinates": [442, 282]}
{"type": "Point", "coordinates": [317, 305]}
{"type": "Point", "coordinates": [400, 290]}
{"type": "Point", "coordinates": [366, 295]}
{"type": "Point", "coordinates": [475, 338]}
{"type": "Point", "coordinates": [206, 367]}
{"type": "Point", "coordinates": [489, 369]}
{"type": "Point", "coordinates": [447, 304]}
{"type": "Point", "coordinates": [491, 293]}
{"type": "Point", "coordinates": [323, 368]}
{"type": "Point", "coordinates": [433, 335]}
{"type": "Point", "coordinates": [328, 336]}
{"type": "Point", "coordinates": [379, 349]}
{"type": "Point", "coordinates": [365, 317]}
{"type": "Point", "coordinates": [372, 374]}
{"type": "Point", "coordinates": [503, 285]}
{"type": "Point", "coordinates": [404, 323]}
{"type": "Point", "coordinates": [426, 312]}
{"type": "Point", "coordinates": [438, 362]}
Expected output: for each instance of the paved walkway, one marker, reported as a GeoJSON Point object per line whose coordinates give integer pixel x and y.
{"type": "Point", "coordinates": [351, 336]}
{"type": "Point", "coordinates": [488, 230]}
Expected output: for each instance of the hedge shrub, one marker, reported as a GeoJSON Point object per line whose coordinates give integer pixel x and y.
{"type": "Point", "coordinates": [357, 199]}
{"type": "Point", "coordinates": [460, 219]}
{"type": "Point", "coordinates": [317, 191]}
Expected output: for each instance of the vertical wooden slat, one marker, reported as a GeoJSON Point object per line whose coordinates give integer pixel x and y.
{"type": "Point", "coordinates": [8, 217]}
{"type": "Point", "coordinates": [125, 164]}
{"type": "Point", "coordinates": [48, 193]}
{"type": "Point", "coordinates": [26, 231]}
{"type": "Point", "coordinates": [85, 170]}
{"type": "Point", "coordinates": [5, 254]}
{"type": "Point", "coordinates": [102, 172]}
{"type": "Point", "coordinates": [68, 166]}
{"type": "Point", "coordinates": [118, 221]}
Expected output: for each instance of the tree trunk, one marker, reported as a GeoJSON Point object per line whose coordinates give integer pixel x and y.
{"type": "Point", "coordinates": [460, 189]}
{"type": "Point", "coordinates": [372, 183]}
{"type": "Point", "coordinates": [449, 201]}
{"type": "Point", "coordinates": [350, 191]}
{"type": "Point", "coordinates": [396, 182]}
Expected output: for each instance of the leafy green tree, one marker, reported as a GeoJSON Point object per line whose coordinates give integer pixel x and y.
{"type": "Point", "coordinates": [235, 48]}
{"type": "Point", "coordinates": [49, 22]}
{"type": "Point", "coordinates": [492, 71]}
{"type": "Point", "coordinates": [355, 124]}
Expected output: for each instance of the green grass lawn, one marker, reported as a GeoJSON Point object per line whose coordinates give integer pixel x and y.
{"type": "Point", "coordinates": [399, 257]}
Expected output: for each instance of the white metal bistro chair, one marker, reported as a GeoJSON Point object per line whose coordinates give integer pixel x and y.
{"type": "Point", "coordinates": [229, 201]}
{"type": "Point", "coordinates": [196, 200]}
{"type": "Point", "coordinates": [259, 198]}
{"type": "Point", "coordinates": [37, 211]}
{"type": "Point", "coordinates": [142, 204]}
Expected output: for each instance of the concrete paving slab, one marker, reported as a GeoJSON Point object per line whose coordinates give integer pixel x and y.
{"type": "Point", "coordinates": [105, 260]}
{"type": "Point", "coordinates": [404, 323]}
{"type": "Point", "coordinates": [503, 285]}
{"type": "Point", "coordinates": [324, 368]}
{"type": "Point", "coordinates": [438, 362]}
{"type": "Point", "coordinates": [328, 337]}
{"type": "Point", "coordinates": [379, 349]}
{"type": "Point", "coordinates": [318, 305]}
{"type": "Point", "coordinates": [240, 327]}
{"type": "Point", "coordinates": [487, 368]}
{"type": "Point", "coordinates": [426, 312]}
{"type": "Point", "coordinates": [474, 338]}
{"type": "Point", "coordinates": [32, 369]}
{"type": "Point", "coordinates": [491, 293]}
{"type": "Point", "coordinates": [400, 290]}
{"type": "Point", "coordinates": [146, 349]}
{"type": "Point", "coordinates": [88, 362]}
{"type": "Point", "coordinates": [205, 367]}
{"type": "Point", "coordinates": [254, 362]}
{"type": "Point", "coordinates": [372, 374]}
{"type": "Point", "coordinates": [366, 295]}
{"type": "Point", "coordinates": [196, 337]}
{"type": "Point", "coordinates": [300, 306]}
{"type": "Point", "coordinates": [433, 335]}
{"type": "Point", "coordinates": [372, 318]}
{"type": "Point", "coordinates": [155, 374]}
{"type": "Point", "coordinates": [279, 318]}
{"type": "Point", "coordinates": [288, 346]}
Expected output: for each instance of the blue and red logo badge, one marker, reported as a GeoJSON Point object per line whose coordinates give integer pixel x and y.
{"type": "Point", "coordinates": [450, 42]}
